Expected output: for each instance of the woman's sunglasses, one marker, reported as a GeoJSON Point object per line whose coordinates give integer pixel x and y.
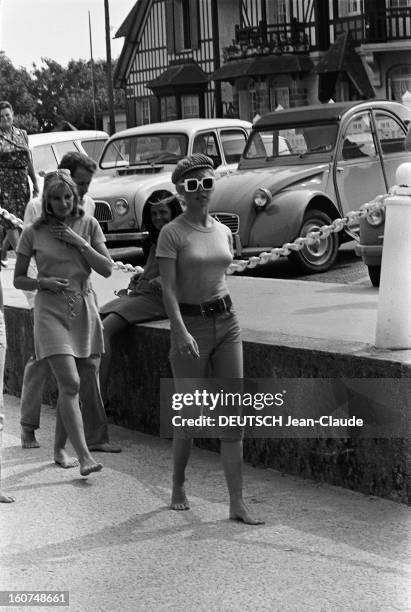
{"type": "Point", "coordinates": [192, 184]}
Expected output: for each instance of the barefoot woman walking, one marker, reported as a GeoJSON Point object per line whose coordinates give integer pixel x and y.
{"type": "Point", "coordinates": [194, 253]}
{"type": "Point", "coordinates": [66, 245]}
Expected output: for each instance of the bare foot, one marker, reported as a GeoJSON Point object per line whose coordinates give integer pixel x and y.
{"type": "Point", "coordinates": [88, 467]}
{"type": "Point", "coordinates": [6, 499]}
{"type": "Point", "coordinates": [62, 459]}
{"type": "Point", "coordinates": [105, 447]}
{"type": "Point", "coordinates": [179, 499]}
{"type": "Point", "coordinates": [28, 438]}
{"type": "Point", "coordinates": [240, 512]}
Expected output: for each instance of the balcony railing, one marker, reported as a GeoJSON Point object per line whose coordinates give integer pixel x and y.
{"type": "Point", "coordinates": [287, 37]}
{"type": "Point", "coordinates": [376, 27]}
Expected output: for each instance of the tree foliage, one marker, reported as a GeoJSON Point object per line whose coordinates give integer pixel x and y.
{"type": "Point", "coordinates": [51, 94]}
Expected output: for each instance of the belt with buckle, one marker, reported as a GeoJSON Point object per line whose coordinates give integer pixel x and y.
{"type": "Point", "coordinates": [207, 309]}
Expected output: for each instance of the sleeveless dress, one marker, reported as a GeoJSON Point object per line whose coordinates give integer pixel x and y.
{"type": "Point", "coordinates": [14, 183]}
{"type": "Point", "coordinates": [68, 322]}
{"type": "Point", "coordinates": [146, 303]}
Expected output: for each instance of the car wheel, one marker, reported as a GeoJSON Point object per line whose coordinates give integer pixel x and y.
{"type": "Point", "coordinates": [374, 272]}
{"type": "Point", "coordinates": [321, 255]}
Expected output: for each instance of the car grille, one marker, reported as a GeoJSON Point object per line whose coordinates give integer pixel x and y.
{"type": "Point", "coordinates": [103, 211]}
{"type": "Point", "coordinates": [231, 220]}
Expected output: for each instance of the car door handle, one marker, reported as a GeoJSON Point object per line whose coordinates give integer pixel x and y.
{"type": "Point", "coordinates": [340, 169]}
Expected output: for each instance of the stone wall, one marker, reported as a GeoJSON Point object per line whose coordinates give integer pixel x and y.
{"type": "Point", "coordinates": [371, 466]}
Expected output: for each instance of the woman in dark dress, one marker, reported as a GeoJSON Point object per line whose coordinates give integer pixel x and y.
{"type": "Point", "coordinates": [16, 166]}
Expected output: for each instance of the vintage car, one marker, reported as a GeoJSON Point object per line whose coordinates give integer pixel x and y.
{"type": "Point", "coordinates": [306, 166]}
{"type": "Point", "coordinates": [372, 226]}
{"type": "Point", "coordinates": [138, 161]}
{"type": "Point", "coordinates": [49, 147]}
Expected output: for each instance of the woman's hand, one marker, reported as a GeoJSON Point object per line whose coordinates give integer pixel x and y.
{"type": "Point", "coordinates": [53, 283]}
{"type": "Point", "coordinates": [186, 345]}
{"type": "Point", "coordinates": [66, 234]}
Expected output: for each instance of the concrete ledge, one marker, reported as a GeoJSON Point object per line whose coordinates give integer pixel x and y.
{"type": "Point", "coordinates": [371, 466]}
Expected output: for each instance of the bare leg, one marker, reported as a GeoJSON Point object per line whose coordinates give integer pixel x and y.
{"type": "Point", "coordinates": [35, 375]}
{"type": "Point", "coordinates": [232, 459]}
{"type": "Point", "coordinates": [12, 237]}
{"type": "Point", "coordinates": [181, 453]}
{"type": "Point", "coordinates": [112, 324]}
{"type": "Point", "coordinates": [61, 457]}
{"type": "Point", "coordinates": [4, 249]}
{"type": "Point", "coordinates": [65, 371]}
{"type": "Point", "coordinates": [92, 407]}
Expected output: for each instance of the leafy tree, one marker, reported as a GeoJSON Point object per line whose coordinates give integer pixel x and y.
{"type": "Point", "coordinates": [15, 87]}
{"type": "Point", "coordinates": [50, 93]}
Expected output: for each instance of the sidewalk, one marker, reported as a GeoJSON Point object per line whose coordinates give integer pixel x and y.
{"type": "Point", "coordinates": [111, 541]}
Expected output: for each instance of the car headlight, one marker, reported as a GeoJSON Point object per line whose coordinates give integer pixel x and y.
{"type": "Point", "coordinates": [121, 206]}
{"type": "Point", "coordinates": [261, 198]}
{"type": "Point", "coordinates": [375, 217]}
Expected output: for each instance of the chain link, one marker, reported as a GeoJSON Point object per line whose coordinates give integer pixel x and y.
{"type": "Point", "coordinates": [239, 265]}
{"type": "Point", "coordinates": [313, 237]}
{"type": "Point", "coordinates": [117, 265]}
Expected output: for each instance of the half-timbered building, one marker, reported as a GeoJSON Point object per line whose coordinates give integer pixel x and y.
{"type": "Point", "coordinates": [204, 58]}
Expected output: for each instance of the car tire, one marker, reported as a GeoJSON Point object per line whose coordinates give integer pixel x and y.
{"type": "Point", "coordinates": [374, 272]}
{"type": "Point", "coordinates": [317, 257]}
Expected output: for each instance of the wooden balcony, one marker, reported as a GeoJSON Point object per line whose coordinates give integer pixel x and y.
{"type": "Point", "coordinates": [377, 27]}
{"type": "Point", "coordinates": [264, 39]}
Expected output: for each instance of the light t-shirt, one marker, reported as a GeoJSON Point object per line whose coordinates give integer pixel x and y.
{"type": "Point", "coordinates": [57, 258]}
{"type": "Point", "coordinates": [202, 256]}
{"type": "Point", "coordinates": [33, 208]}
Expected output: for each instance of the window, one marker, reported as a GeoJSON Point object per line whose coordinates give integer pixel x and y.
{"type": "Point", "coordinates": [206, 142]}
{"type": "Point", "coordinates": [399, 81]}
{"type": "Point", "coordinates": [253, 107]}
{"type": "Point", "coordinates": [61, 148]}
{"type": "Point", "coordinates": [277, 11]}
{"type": "Point", "coordinates": [145, 110]}
{"type": "Point", "coordinates": [346, 8]}
{"type": "Point", "coordinates": [93, 148]}
{"type": "Point", "coordinates": [168, 108]}
{"type": "Point", "coordinates": [233, 142]}
{"type": "Point", "coordinates": [44, 159]}
{"type": "Point", "coordinates": [358, 140]}
{"type": "Point", "coordinates": [183, 25]}
{"type": "Point", "coordinates": [399, 3]}
{"type": "Point", "coordinates": [279, 96]}
{"type": "Point", "coordinates": [189, 107]}
{"type": "Point", "coordinates": [390, 133]}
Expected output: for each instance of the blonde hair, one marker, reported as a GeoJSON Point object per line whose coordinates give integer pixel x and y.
{"type": "Point", "coordinates": [53, 182]}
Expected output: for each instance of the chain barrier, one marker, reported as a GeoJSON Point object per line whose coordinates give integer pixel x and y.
{"type": "Point", "coordinates": [274, 254]}
{"type": "Point", "coordinates": [19, 224]}
{"type": "Point", "coordinates": [311, 238]}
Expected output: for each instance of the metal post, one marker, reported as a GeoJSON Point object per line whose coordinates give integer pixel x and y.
{"type": "Point", "coordinates": [394, 303]}
{"type": "Point", "coordinates": [112, 122]}
{"type": "Point", "coordinates": [93, 85]}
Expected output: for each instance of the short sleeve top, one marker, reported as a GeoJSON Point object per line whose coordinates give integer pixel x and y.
{"type": "Point", "coordinates": [55, 257]}
{"type": "Point", "coordinates": [202, 256]}
{"type": "Point", "coordinates": [16, 137]}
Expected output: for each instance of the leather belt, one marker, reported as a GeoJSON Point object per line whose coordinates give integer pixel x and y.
{"type": "Point", "coordinates": [207, 309]}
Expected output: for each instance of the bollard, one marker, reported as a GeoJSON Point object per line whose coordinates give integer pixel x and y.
{"type": "Point", "coordinates": [394, 302]}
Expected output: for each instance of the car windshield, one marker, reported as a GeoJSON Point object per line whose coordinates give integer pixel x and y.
{"type": "Point", "coordinates": [302, 140]}
{"type": "Point", "coordinates": [144, 149]}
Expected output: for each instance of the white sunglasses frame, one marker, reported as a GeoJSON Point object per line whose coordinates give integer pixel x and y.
{"type": "Point", "coordinates": [199, 182]}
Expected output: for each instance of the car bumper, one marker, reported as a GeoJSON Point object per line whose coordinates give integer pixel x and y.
{"type": "Point", "coordinates": [125, 236]}
{"type": "Point", "coordinates": [371, 255]}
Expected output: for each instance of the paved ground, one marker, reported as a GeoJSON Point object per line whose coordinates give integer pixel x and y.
{"type": "Point", "coordinates": [111, 541]}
